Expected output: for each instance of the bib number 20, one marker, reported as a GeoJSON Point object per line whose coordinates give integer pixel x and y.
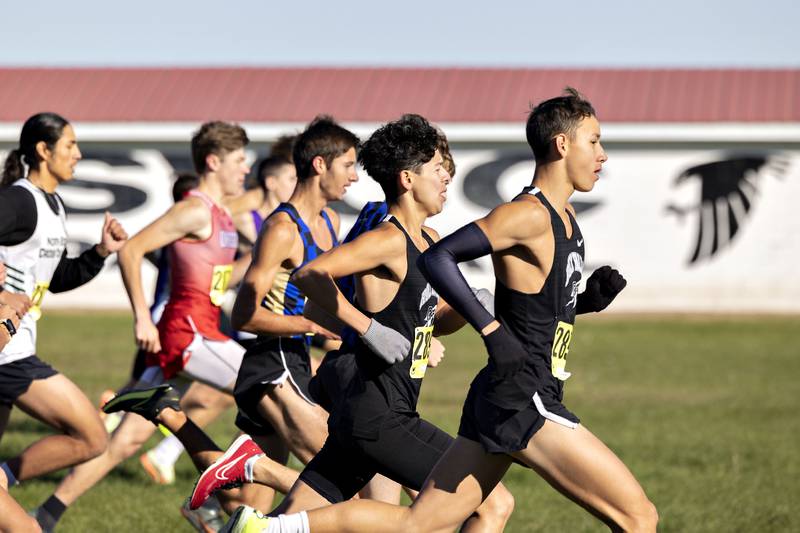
{"type": "Point", "coordinates": [220, 277]}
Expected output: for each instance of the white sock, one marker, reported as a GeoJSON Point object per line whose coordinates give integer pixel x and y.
{"type": "Point", "coordinates": [168, 450]}
{"type": "Point", "coordinates": [289, 523]}
{"type": "Point", "coordinates": [248, 467]}
{"type": "Point", "coordinates": [12, 480]}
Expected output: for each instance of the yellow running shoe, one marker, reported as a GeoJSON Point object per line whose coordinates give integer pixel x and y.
{"type": "Point", "coordinates": [246, 520]}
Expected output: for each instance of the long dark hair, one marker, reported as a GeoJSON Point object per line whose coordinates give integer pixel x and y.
{"type": "Point", "coordinates": [46, 127]}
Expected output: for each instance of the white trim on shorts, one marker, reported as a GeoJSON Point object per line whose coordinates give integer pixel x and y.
{"type": "Point", "coordinates": [213, 362]}
{"type": "Point", "coordinates": [287, 374]}
{"type": "Point", "coordinates": [558, 419]}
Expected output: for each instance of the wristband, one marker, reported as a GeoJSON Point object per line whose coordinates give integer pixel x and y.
{"type": "Point", "coordinates": [9, 326]}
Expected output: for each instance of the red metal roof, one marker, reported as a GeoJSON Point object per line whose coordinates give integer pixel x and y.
{"type": "Point", "coordinates": [379, 94]}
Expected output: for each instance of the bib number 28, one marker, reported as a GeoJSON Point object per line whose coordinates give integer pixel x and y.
{"type": "Point", "coordinates": [422, 348]}
{"type": "Point", "coordinates": [558, 358]}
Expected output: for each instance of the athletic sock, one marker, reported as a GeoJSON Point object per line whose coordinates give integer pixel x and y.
{"type": "Point", "coordinates": [50, 512]}
{"type": "Point", "coordinates": [290, 523]}
{"type": "Point", "coordinates": [12, 479]}
{"type": "Point", "coordinates": [249, 465]}
{"type": "Point", "coordinates": [168, 450]}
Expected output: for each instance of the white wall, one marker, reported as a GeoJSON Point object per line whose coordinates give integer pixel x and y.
{"type": "Point", "coordinates": [628, 224]}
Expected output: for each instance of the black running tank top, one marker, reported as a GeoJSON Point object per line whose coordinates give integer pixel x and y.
{"type": "Point", "coordinates": [411, 313]}
{"type": "Point", "coordinates": [543, 322]}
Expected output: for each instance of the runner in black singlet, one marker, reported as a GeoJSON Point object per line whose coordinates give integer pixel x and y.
{"type": "Point", "coordinates": [375, 428]}
{"type": "Point", "coordinates": [514, 406]}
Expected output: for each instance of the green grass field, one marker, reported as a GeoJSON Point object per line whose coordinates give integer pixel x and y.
{"type": "Point", "coordinates": [704, 411]}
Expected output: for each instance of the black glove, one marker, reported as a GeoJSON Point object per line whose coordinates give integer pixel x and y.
{"type": "Point", "coordinates": [601, 288]}
{"type": "Point", "coordinates": [505, 351]}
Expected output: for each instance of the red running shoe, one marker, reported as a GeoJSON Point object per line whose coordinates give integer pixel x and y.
{"type": "Point", "coordinates": [233, 469]}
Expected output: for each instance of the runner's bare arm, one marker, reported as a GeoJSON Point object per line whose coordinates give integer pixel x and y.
{"type": "Point", "coordinates": [185, 218]}
{"type": "Point", "coordinates": [246, 228]}
{"type": "Point", "coordinates": [20, 302]}
{"type": "Point", "coordinates": [249, 200]}
{"type": "Point", "coordinates": [315, 313]}
{"type": "Point", "coordinates": [7, 313]}
{"type": "Point", "coordinates": [447, 320]}
{"type": "Point", "coordinates": [368, 251]}
{"type": "Point", "coordinates": [514, 223]}
{"type": "Point", "coordinates": [239, 268]}
{"type": "Point", "coordinates": [273, 248]}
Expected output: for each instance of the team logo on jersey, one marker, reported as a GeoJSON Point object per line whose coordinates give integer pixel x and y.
{"type": "Point", "coordinates": [228, 239]}
{"type": "Point", "coordinates": [427, 294]}
{"type": "Point", "coordinates": [728, 191]}
{"type": "Point", "coordinates": [54, 248]}
{"type": "Point", "coordinates": [574, 273]}
{"type": "Point", "coordinates": [430, 315]}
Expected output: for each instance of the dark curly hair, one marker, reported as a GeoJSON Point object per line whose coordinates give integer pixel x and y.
{"type": "Point", "coordinates": [447, 157]}
{"type": "Point", "coordinates": [561, 114]}
{"type": "Point", "coordinates": [405, 144]}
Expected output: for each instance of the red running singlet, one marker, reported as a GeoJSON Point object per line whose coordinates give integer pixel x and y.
{"type": "Point", "coordinates": [199, 276]}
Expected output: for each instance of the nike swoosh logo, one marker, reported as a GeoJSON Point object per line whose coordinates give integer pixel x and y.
{"type": "Point", "coordinates": [140, 403]}
{"type": "Point", "coordinates": [580, 242]}
{"type": "Point", "coordinates": [222, 473]}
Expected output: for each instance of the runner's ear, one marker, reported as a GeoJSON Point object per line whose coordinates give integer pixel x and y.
{"type": "Point", "coordinates": [404, 181]}
{"type": "Point", "coordinates": [560, 147]}
{"type": "Point", "coordinates": [212, 162]}
{"type": "Point", "coordinates": [319, 165]}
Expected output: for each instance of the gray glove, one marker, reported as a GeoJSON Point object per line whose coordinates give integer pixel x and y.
{"type": "Point", "coordinates": [386, 343]}
{"type": "Point", "coordinates": [485, 297]}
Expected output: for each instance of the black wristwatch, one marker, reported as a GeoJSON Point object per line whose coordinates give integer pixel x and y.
{"type": "Point", "coordinates": [9, 326]}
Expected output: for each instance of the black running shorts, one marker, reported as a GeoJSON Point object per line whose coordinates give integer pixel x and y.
{"type": "Point", "coordinates": [500, 429]}
{"type": "Point", "coordinates": [332, 379]}
{"type": "Point", "coordinates": [406, 451]}
{"type": "Point", "coordinates": [16, 377]}
{"type": "Point", "coordinates": [268, 363]}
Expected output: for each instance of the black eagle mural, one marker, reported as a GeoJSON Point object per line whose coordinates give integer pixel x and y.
{"type": "Point", "coordinates": [728, 192]}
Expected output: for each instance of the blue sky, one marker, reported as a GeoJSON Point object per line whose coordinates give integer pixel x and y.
{"type": "Point", "coordinates": [412, 33]}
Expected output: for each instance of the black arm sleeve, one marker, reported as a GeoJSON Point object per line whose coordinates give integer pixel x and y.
{"type": "Point", "coordinates": [17, 215]}
{"type": "Point", "coordinates": [72, 273]}
{"type": "Point", "coordinates": [439, 265]}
